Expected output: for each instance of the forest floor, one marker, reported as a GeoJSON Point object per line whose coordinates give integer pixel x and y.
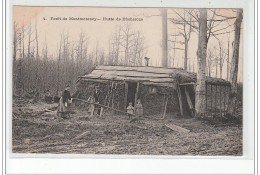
{"type": "Point", "coordinates": [37, 129]}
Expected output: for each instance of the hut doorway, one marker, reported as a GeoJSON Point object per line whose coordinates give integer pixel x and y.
{"type": "Point", "coordinates": [132, 86]}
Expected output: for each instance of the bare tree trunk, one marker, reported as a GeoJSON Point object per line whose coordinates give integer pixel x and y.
{"type": "Point", "coordinates": [37, 58]}
{"type": "Point", "coordinates": [117, 45]}
{"type": "Point", "coordinates": [234, 63]}
{"type": "Point", "coordinates": [216, 66]}
{"type": "Point", "coordinates": [29, 43]}
{"type": "Point", "coordinates": [164, 38]}
{"type": "Point", "coordinates": [174, 51]}
{"type": "Point", "coordinates": [186, 55]}
{"type": "Point", "coordinates": [193, 66]}
{"type": "Point", "coordinates": [220, 61]}
{"type": "Point", "coordinates": [14, 56]}
{"type": "Point", "coordinates": [228, 64]}
{"type": "Point", "coordinates": [59, 61]}
{"type": "Point", "coordinates": [96, 54]}
{"type": "Point", "coordinates": [200, 102]}
{"type": "Point", "coordinates": [14, 46]}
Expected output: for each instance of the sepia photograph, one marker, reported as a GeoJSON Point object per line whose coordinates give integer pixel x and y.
{"type": "Point", "coordinates": [127, 81]}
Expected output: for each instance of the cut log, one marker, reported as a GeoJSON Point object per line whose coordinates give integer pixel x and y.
{"type": "Point", "coordinates": [177, 128]}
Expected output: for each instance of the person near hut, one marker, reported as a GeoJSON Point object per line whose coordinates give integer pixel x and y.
{"type": "Point", "coordinates": [96, 100]}
{"type": "Point", "coordinates": [139, 109]}
{"type": "Point", "coordinates": [64, 102]}
{"type": "Point", "coordinates": [130, 110]}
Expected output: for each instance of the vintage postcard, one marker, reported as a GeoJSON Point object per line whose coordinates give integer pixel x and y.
{"type": "Point", "coordinates": [127, 81]}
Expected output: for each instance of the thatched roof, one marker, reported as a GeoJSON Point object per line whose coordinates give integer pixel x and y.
{"type": "Point", "coordinates": [158, 76]}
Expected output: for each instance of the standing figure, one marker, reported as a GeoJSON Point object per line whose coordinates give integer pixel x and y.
{"type": "Point", "coordinates": [139, 109]}
{"type": "Point", "coordinates": [130, 110]}
{"type": "Point", "coordinates": [64, 102]}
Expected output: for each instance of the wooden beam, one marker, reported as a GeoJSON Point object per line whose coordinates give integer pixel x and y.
{"type": "Point", "coordinates": [110, 89]}
{"type": "Point", "coordinates": [211, 100]}
{"type": "Point", "coordinates": [112, 101]}
{"type": "Point", "coordinates": [206, 98]}
{"type": "Point", "coordinates": [185, 84]}
{"type": "Point", "coordinates": [220, 101]}
{"type": "Point", "coordinates": [164, 96]}
{"type": "Point", "coordinates": [189, 100]}
{"type": "Point", "coordinates": [136, 93]}
{"type": "Point", "coordinates": [225, 94]}
{"type": "Point", "coordinates": [216, 100]}
{"type": "Point", "coordinates": [126, 93]}
{"type": "Point", "coordinates": [180, 99]}
{"type": "Point", "coordinates": [165, 107]}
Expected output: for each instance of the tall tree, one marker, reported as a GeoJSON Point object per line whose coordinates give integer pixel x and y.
{"type": "Point", "coordinates": [127, 41]}
{"type": "Point", "coordinates": [222, 57]}
{"type": "Point", "coordinates": [185, 30]}
{"type": "Point", "coordinates": [228, 62]}
{"type": "Point", "coordinates": [37, 77]}
{"type": "Point", "coordinates": [234, 62]}
{"type": "Point", "coordinates": [201, 62]}
{"type": "Point", "coordinates": [15, 45]}
{"type": "Point", "coordinates": [116, 45]}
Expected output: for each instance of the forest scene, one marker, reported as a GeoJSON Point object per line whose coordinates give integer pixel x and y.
{"type": "Point", "coordinates": [182, 66]}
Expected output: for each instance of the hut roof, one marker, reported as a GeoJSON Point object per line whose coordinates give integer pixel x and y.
{"type": "Point", "coordinates": [147, 75]}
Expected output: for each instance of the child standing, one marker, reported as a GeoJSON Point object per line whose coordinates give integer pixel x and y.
{"type": "Point", "coordinates": [139, 109]}
{"type": "Point", "coordinates": [130, 110]}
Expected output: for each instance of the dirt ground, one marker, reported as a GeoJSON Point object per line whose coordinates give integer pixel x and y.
{"type": "Point", "coordinates": [37, 129]}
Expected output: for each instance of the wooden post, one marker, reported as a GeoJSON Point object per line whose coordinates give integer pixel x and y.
{"type": "Point", "coordinates": [206, 98]}
{"type": "Point", "coordinates": [225, 94]}
{"type": "Point", "coordinates": [216, 100]}
{"type": "Point", "coordinates": [220, 100]}
{"type": "Point", "coordinates": [165, 107]}
{"type": "Point", "coordinates": [112, 101]}
{"type": "Point", "coordinates": [189, 101]}
{"type": "Point", "coordinates": [180, 99]}
{"type": "Point", "coordinates": [107, 96]}
{"type": "Point", "coordinates": [126, 92]}
{"type": "Point", "coordinates": [136, 93]}
{"type": "Point", "coordinates": [92, 109]}
{"type": "Point", "coordinates": [101, 111]}
{"type": "Point", "coordinates": [164, 96]}
{"type": "Point", "coordinates": [211, 95]}
{"type": "Point", "coordinates": [229, 91]}
{"type": "Point", "coordinates": [110, 91]}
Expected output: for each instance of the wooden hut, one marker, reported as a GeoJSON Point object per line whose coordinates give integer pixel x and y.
{"type": "Point", "coordinates": [161, 90]}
